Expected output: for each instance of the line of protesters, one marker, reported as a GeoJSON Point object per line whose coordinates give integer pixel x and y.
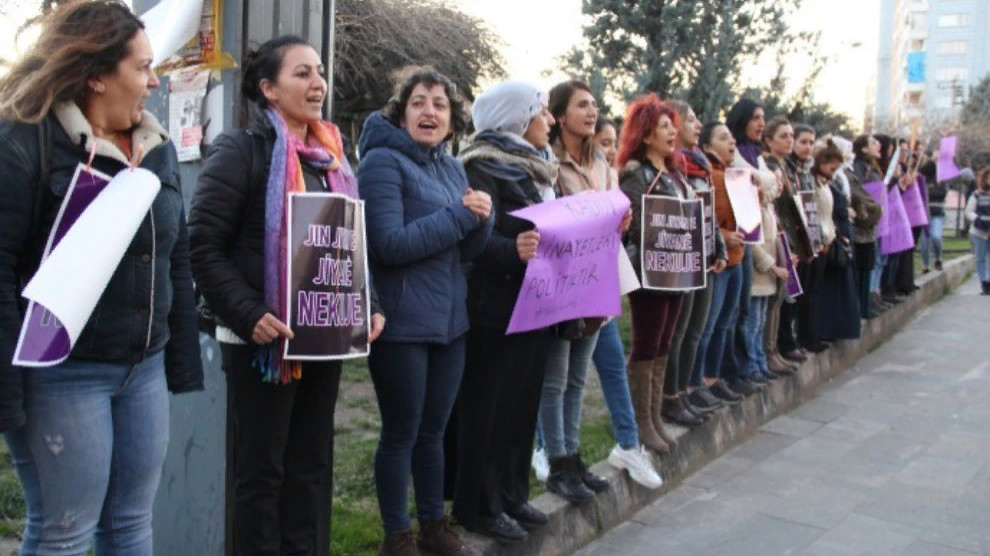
{"type": "Point", "coordinates": [88, 436]}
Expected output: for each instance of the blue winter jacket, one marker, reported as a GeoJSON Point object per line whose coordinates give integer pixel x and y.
{"type": "Point", "coordinates": [420, 234]}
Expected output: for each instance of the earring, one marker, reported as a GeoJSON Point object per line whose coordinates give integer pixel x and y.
{"type": "Point", "coordinates": [98, 89]}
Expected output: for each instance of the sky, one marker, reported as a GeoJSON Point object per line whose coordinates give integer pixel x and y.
{"type": "Point", "coordinates": [537, 32]}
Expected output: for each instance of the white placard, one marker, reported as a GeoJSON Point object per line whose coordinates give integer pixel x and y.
{"type": "Point", "coordinates": [743, 198]}
{"type": "Point", "coordinates": [71, 280]}
{"type": "Point", "coordinates": [628, 278]}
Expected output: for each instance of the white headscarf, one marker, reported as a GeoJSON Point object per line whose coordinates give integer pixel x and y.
{"type": "Point", "coordinates": [507, 107]}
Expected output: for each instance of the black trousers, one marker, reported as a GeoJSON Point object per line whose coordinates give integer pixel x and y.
{"type": "Point", "coordinates": [807, 303]}
{"type": "Point", "coordinates": [496, 421]}
{"type": "Point", "coordinates": [283, 456]}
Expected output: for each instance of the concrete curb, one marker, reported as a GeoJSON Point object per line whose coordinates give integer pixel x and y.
{"type": "Point", "coordinates": [572, 527]}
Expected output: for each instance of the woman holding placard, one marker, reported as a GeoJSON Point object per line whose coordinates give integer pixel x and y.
{"type": "Point", "coordinates": [677, 407]}
{"type": "Point", "coordinates": [646, 158]}
{"type": "Point", "coordinates": [868, 211]}
{"type": "Point", "coordinates": [706, 387]}
{"type": "Point", "coordinates": [282, 410]}
{"type": "Point", "coordinates": [88, 435]}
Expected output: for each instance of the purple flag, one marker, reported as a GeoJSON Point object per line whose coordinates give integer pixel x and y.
{"type": "Point", "coordinates": [878, 190]}
{"type": "Point", "coordinates": [575, 272]}
{"type": "Point", "coordinates": [914, 205]}
{"type": "Point", "coordinates": [945, 167]}
{"type": "Point", "coordinates": [794, 288]}
{"type": "Point", "coordinates": [899, 237]}
{"type": "Point", "coordinates": [43, 340]}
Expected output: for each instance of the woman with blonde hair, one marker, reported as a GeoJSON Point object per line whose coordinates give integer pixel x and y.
{"type": "Point", "coordinates": [88, 436]}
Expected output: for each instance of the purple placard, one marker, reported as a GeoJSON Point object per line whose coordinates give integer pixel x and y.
{"type": "Point", "coordinates": [44, 341]}
{"type": "Point", "coordinates": [575, 272]}
{"type": "Point", "coordinates": [878, 190]}
{"type": "Point", "coordinates": [945, 166]}
{"type": "Point", "coordinates": [914, 205]}
{"type": "Point", "coordinates": [899, 237]}
{"type": "Point", "coordinates": [794, 288]}
{"type": "Point", "coordinates": [754, 237]}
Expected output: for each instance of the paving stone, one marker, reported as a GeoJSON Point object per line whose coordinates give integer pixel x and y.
{"type": "Point", "coordinates": [820, 410]}
{"type": "Point", "coordinates": [762, 446]}
{"type": "Point", "coordinates": [818, 505]}
{"type": "Point", "coordinates": [936, 472]}
{"type": "Point", "coordinates": [763, 534]}
{"type": "Point", "coordinates": [862, 535]}
{"type": "Point", "coordinates": [791, 426]}
{"type": "Point", "coordinates": [925, 548]}
{"type": "Point", "coordinates": [852, 429]}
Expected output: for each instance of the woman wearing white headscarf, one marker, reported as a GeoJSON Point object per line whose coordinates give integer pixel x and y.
{"type": "Point", "coordinates": [503, 377]}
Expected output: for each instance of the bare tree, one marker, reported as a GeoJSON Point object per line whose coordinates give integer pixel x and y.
{"type": "Point", "coordinates": [376, 37]}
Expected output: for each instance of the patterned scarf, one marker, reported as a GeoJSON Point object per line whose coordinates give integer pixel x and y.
{"type": "Point", "coordinates": [325, 152]}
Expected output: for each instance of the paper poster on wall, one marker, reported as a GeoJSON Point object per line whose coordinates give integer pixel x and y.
{"type": "Point", "coordinates": [187, 91]}
{"type": "Point", "coordinates": [328, 288]}
{"type": "Point", "coordinates": [93, 229]}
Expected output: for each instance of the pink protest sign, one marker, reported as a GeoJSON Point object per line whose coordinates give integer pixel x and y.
{"type": "Point", "coordinates": [898, 237]}
{"type": "Point", "coordinates": [878, 190]}
{"type": "Point", "coordinates": [575, 272]}
{"type": "Point", "coordinates": [945, 167]}
{"type": "Point", "coordinates": [914, 206]}
{"type": "Point", "coordinates": [794, 288]}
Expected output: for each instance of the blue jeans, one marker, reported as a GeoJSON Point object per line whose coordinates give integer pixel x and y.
{"type": "Point", "coordinates": [755, 324]}
{"type": "Point", "coordinates": [737, 340]}
{"type": "Point", "coordinates": [878, 265]}
{"type": "Point", "coordinates": [90, 456]}
{"type": "Point", "coordinates": [932, 240]}
{"type": "Point", "coordinates": [725, 298]}
{"type": "Point", "coordinates": [980, 250]}
{"type": "Point", "coordinates": [563, 393]}
{"type": "Point", "coordinates": [416, 385]}
{"type": "Point", "coordinates": [610, 361]}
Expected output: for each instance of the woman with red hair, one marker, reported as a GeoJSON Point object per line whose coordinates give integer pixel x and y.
{"type": "Point", "coordinates": [647, 145]}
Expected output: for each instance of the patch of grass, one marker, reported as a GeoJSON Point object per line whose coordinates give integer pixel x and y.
{"type": "Point", "coordinates": [11, 528]}
{"type": "Point", "coordinates": [356, 529]}
{"type": "Point", "coordinates": [355, 370]}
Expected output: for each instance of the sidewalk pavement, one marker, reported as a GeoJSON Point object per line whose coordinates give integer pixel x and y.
{"type": "Point", "coordinates": [892, 459]}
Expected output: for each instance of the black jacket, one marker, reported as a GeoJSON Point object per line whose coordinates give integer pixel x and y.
{"type": "Point", "coordinates": [788, 213]}
{"type": "Point", "coordinates": [635, 180]}
{"type": "Point", "coordinates": [497, 273]}
{"type": "Point", "coordinates": [227, 226]}
{"type": "Point", "coordinates": [147, 306]}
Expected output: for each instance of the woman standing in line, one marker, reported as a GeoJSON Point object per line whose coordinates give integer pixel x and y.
{"type": "Point", "coordinates": [868, 211]}
{"type": "Point", "coordinates": [508, 159]}
{"type": "Point", "coordinates": [978, 212]}
{"type": "Point", "coordinates": [931, 238]}
{"type": "Point", "coordinates": [780, 144]}
{"type": "Point", "coordinates": [283, 411]}
{"type": "Point", "coordinates": [610, 362]}
{"type": "Point", "coordinates": [838, 316]}
{"type": "Point", "coordinates": [677, 407]}
{"type": "Point", "coordinates": [805, 310]}
{"type": "Point", "coordinates": [582, 168]}
{"type": "Point", "coordinates": [646, 158]}
{"type": "Point", "coordinates": [88, 436]}
{"type": "Point", "coordinates": [706, 387]}
{"type": "Point", "coordinates": [424, 223]}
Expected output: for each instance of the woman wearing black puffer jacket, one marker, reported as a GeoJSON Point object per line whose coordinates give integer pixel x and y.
{"type": "Point", "coordinates": [282, 410]}
{"type": "Point", "coordinates": [88, 436]}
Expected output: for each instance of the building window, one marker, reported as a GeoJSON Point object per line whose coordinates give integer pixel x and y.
{"type": "Point", "coordinates": [952, 74]}
{"type": "Point", "coordinates": [953, 20]}
{"type": "Point", "coordinates": [953, 47]}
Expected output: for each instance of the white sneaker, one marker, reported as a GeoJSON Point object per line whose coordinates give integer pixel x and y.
{"type": "Point", "coordinates": [540, 465]}
{"type": "Point", "coordinates": [638, 463]}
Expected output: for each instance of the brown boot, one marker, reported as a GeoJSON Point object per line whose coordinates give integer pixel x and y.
{"type": "Point", "coordinates": [656, 399]}
{"type": "Point", "coordinates": [437, 537]}
{"type": "Point", "coordinates": [640, 383]}
{"type": "Point", "coordinates": [399, 544]}
{"type": "Point", "coordinates": [779, 365]}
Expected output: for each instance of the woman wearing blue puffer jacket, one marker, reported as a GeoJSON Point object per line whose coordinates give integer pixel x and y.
{"type": "Point", "coordinates": [424, 223]}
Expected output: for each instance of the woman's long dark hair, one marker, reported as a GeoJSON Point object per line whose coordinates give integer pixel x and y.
{"type": "Point", "coordinates": [739, 116]}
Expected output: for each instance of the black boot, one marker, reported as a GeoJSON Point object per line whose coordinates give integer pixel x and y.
{"type": "Point", "coordinates": [590, 480]}
{"type": "Point", "coordinates": [564, 481]}
{"type": "Point", "coordinates": [986, 288]}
